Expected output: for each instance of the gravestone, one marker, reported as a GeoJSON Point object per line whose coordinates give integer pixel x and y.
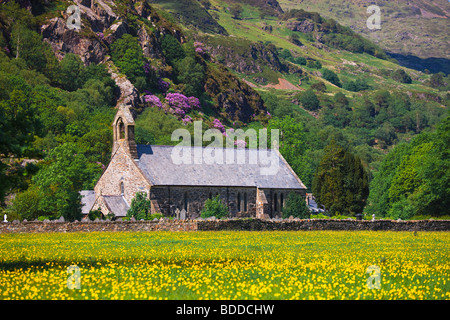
{"type": "Point", "coordinates": [183, 215]}
{"type": "Point", "coordinates": [4, 218]}
{"type": "Point", "coordinates": [177, 214]}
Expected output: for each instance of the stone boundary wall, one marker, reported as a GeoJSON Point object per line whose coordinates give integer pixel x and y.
{"type": "Point", "coordinates": [92, 226]}
{"type": "Point", "coordinates": [231, 224]}
{"type": "Point", "coordinates": [325, 224]}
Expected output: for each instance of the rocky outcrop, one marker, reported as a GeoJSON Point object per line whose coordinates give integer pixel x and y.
{"type": "Point", "coordinates": [96, 17]}
{"type": "Point", "coordinates": [64, 40]}
{"type": "Point", "coordinates": [251, 60]}
{"type": "Point", "coordinates": [128, 93]}
{"type": "Point", "coordinates": [150, 44]}
{"type": "Point", "coordinates": [305, 26]}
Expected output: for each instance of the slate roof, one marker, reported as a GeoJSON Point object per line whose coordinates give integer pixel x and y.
{"type": "Point", "coordinates": [117, 205]}
{"type": "Point", "coordinates": [87, 200]}
{"type": "Point", "coordinates": [157, 164]}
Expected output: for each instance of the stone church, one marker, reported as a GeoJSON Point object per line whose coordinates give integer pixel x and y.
{"type": "Point", "coordinates": [150, 168]}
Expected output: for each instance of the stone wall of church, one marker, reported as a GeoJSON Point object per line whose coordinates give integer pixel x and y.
{"type": "Point", "coordinates": [275, 200]}
{"type": "Point", "coordinates": [167, 199]}
{"type": "Point", "coordinates": [241, 201]}
{"type": "Point", "coordinates": [121, 176]}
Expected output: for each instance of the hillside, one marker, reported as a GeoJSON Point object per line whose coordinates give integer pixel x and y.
{"type": "Point", "coordinates": [231, 64]}
{"type": "Point", "coordinates": [416, 32]}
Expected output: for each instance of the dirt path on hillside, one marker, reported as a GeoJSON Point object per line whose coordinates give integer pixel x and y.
{"type": "Point", "coordinates": [283, 84]}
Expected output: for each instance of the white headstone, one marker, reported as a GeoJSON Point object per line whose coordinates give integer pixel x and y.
{"type": "Point", "coordinates": [4, 218]}
{"type": "Point", "coordinates": [177, 214]}
{"type": "Point", "coordinates": [373, 217]}
{"type": "Point", "coordinates": [183, 215]}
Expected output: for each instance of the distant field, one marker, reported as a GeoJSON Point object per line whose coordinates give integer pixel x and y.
{"type": "Point", "coordinates": [226, 265]}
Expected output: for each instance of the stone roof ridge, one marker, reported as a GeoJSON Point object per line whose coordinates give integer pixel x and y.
{"type": "Point", "coordinates": [169, 146]}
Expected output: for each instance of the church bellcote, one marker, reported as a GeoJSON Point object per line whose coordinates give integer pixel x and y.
{"type": "Point", "coordinates": [123, 131]}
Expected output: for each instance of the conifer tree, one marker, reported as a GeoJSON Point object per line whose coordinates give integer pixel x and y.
{"type": "Point", "coordinates": [340, 182]}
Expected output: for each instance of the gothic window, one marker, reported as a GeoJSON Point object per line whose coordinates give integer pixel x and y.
{"type": "Point", "coordinates": [186, 201]}
{"type": "Point", "coordinates": [275, 200]}
{"type": "Point", "coordinates": [281, 201]}
{"type": "Point", "coordinates": [245, 202]}
{"type": "Point", "coordinates": [122, 189]}
{"type": "Point", "coordinates": [239, 202]}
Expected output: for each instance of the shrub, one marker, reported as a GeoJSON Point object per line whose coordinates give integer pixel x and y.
{"type": "Point", "coordinates": [401, 76]}
{"type": "Point", "coordinates": [214, 207]}
{"type": "Point", "coordinates": [309, 100]}
{"type": "Point", "coordinates": [313, 64]}
{"type": "Point", "coordinates": [332, 77]}
{"type": "Point", "coordinates": [128, 57]}
{"type": "Point", "coordinates": [300, 61]}
{"type": "Point", "coordinates": [94, 214]}
{"type": "Point", "coordinates": [356, 86]}
{"type": "Point", "coordinates": [155, 216]}
{"type": "Point", "coordinates": [295, 206]}
{"type": "Point", "coordinates": [26, 204]}
{"type": "Point", "coordinates": [172, 49]}
{"type": "Point", "coordinates": [319, 216]}
{"type": "Point", "coordinates": [140, 206]}
{"type": "Point", "coordinates": [341, 216]}
{"type": "Point", "coordinates": [402, 209]}
{"type": "Point", "coordinates": [319, 86]}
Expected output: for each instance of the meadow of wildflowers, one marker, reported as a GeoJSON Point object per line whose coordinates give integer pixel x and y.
{"type": "Point", "coordinates": [225, 265]}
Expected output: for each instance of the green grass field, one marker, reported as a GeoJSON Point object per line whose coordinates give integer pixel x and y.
{"type": "Point", "coordinates": [225, 265]}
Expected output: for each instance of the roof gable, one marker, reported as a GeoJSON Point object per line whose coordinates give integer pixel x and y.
{"type": "Point", "coordinates": [117, 205]}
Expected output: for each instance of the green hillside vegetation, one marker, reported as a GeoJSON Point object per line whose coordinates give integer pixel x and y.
{"type": "Point", "coordinates": [418, 27]}
{"type": "Point", "coordinates": [327, 85]}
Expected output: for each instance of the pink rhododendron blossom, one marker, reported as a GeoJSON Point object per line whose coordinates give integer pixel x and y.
{"type": "Point", "coordinates": [240, 143]}
{"type": "Point", "coordinates": [153, 100]}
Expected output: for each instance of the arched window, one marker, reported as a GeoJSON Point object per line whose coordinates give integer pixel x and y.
{"type": "Point", "coordinates": [245, 202]}
{"type": "Point", "coordinates": [281, 201]}
{"type": "Point", "coordinates": [121, 129]}
{"type": "Point", "coordinates": [275, 200]}
{"type": "Point", "coordinates": [186, 201]}
{"type": "Point", "coordinates": [210, 196]}
{"type": "Point", "coordinates": [239, 202]}
{"type": "Point", "coordinates": [122, 188]}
